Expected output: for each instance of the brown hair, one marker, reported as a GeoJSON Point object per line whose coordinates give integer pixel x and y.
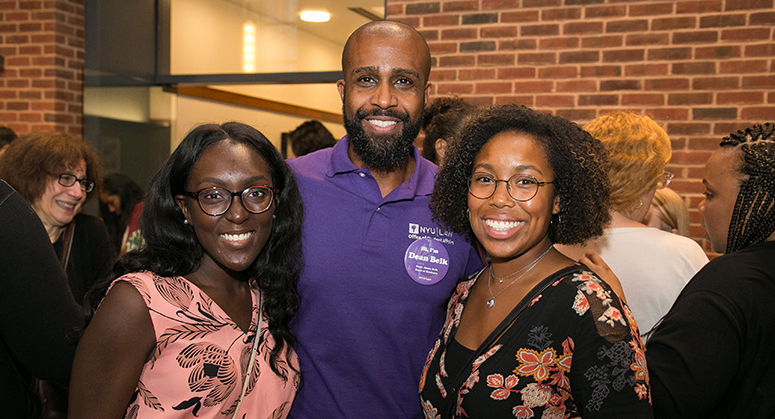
{"type": "Point", "coordinates": [30, 162]}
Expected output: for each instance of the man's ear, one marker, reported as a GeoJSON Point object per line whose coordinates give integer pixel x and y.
{"type": "Point", "coordinates": [427, 94]}
{"type": "Point", "coordinates": [340, 87]}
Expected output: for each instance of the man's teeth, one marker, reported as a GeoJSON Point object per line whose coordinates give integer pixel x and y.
{"type": "Point", "coordinates": [381, 123]}
{"type": "Point", "coordinates": [501, 225]}
{"type": "Point", "coordinates": [236, 237]}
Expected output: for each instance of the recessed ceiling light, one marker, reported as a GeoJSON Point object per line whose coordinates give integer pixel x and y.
{"type": "Point", "coordinates": [315, 16]}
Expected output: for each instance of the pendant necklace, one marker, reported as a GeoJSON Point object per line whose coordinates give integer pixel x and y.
{"type": "Point", "coordinates": [527, 268]}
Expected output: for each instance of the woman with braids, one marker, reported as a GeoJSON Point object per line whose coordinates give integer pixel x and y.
{"type": "Point", "coordinates": [196, 322]}
{"type": "Point", "coordinates": [712, 355]}
{"type": "Point", "coordinates": [534, 334]}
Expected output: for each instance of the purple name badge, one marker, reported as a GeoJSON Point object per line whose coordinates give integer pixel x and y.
{"type": "Point", "coordinates": [426, 261]}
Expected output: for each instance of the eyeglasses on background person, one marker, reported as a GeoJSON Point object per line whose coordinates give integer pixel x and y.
{"type": "Point", "coordinates": [217, 201]}
{"type": "Point", "coordinates": [521, 187]}
{"type": "Point", "coordinates": [664, 179]}
{"type": "Point", "coordinates": [69, 179]}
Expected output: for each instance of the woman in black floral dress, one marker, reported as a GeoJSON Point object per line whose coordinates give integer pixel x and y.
{"type": "Point", "coordinates": [534, 334]}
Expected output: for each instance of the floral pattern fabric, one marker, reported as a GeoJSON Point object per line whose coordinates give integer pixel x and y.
{"type": "Point", "coordinates": [201, 357]}
{"type": "Point", "coordinates": [573, 352]}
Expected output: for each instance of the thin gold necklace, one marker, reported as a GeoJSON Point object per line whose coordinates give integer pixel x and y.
{"type": "Point", "coordinates": [529, 267]}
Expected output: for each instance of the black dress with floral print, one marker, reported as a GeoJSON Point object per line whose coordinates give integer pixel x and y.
{"type": "Point", "coordinates": [573, 351]}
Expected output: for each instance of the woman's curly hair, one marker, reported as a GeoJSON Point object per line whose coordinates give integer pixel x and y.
{"type": "Point", "coordinates": [442, 119]}
{"type": "Point", "coordinates": [578, 161]}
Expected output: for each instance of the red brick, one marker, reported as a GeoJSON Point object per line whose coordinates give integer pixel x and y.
{"type": "Point", "coordinates": [498, 32]}
{"type": "Point", "coordinates": [564, 13]}
{"type": "Point", "coordinates": [495, 59]}
{"type": "Point", "coordinates": [577, 114]}
{"type": "Point", "coordinates": [758, 113]}
{"type": "Point", "coordinates": [754, 82]}
{"type": "Point", "coordinates": [558, 72]}
{"type": "Point", "coordinates": [651, 9]}
{"type": "Point", "coordinates": [476, 74]}
{"type": "Point", "coordinates": [598, 100]}
{"type": "Point", "coordinates": [673, 23]}
{"type": "Point", "coordinates": [605, 41]}
{"type": "Point", "coordinates": [460, 6]}
{"type": "Point", "coordinates": [516, 73]}
{"type": "Point", "coordinates": [480, 101]}
{"type": "Point", "coordinates": [647, 70]}
{"type": "Point", "coordinates": [442, 20]}
{"type": "Point", "coordinates": [443, 75]}
{"type": "Point", "coordinates": [763, 19]}
{"type": "Point", "coordinates": [748, 4]}
{"type": "Point", "coordinates": [647, 39]}
{"type": "Point", "coordinates": [673, 114]}
{"type": "Point", "coordinates": [394, 9]}
{"type": "Point", "coordinates": [771, 97]}
{"type": "Point", "coordinates": [520, 100]}
{"type": "Point", "coordinates": [728, 128]}
{"type": "Point", "coordinates": [714, 114]}
{"type": "Point", "coordinates": [694, 37]}
{"type": "Point", "coordinates": [619, 84]}
{"type": "Point", "coordinates": [520, 16]}
{"type": "Point", "coordinates": [719, 21]}
{"type": "Point", "coordinates": [560, 42]}
{"type": "Point", "coordinates": [579, 57]}
{"type": "Point", "coordinates": [604, 11]}
{"type": "Point", "coordinates": [601, 71]}
{"type": "Point", "coordinates": [676, 99]}
{"type": "Point", "coordinates": [639, 25]}
{"type": "Point", "coordinates": [645, 99]}
{"type": "Point", "coordinates": [670, 54]}
{"type": "Point", "coordinates": [575, 28]}
{"type": "Point", "coordinates": [677, 128]}
{"type": "Point", "coordinates": [455, 88]}
{"type": "Point", "coordinates": [459, 33]}
{"type": "Point", "coordinates": [517, 44]}
{"type": "Point", "coordinates": [541, 3]}
{"type": "Point", "coordinates": [699, 6]}
{"type": "Point", "coordinates": [761, 50]}
{"type": "Point", "coordinates": [727, 51]}
{"type": "Point", "coordinates": [623, 55]}
{"type": "Point", "coordinates": [457, 61]}
{"type": "Point", "coordinates": [439, 48]}
{"type": "Point", "coordinates": [500, 4]}
{"type": "Point", "coordinates": [716, 83]}
{"type": "Point", "coordinates": [493, 88]}
{"type": "Point", "coordinates": [746, 35]}
{"type": "Point", "coordinates": [533, 86]}
{"type": "Point", "coordinates": [703, 143]}
{"type": "Point", "coordinates": [537, 58]}
{"type": "Point", "coordinates": [540, 30]}
{"type": "Point", "coordinates": [695, 67]}
{"type": "Point", "coordinates": [554, 101]}
{"type": "Point", "coordinates": [667, 84]}
{"type": "Point", "coordinates": [746, 66]}
{"type": "Point", "coordinates": [738, 98]}
{"type": "Point", "coordinates": [576, 86]}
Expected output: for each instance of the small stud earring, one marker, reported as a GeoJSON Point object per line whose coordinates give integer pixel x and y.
{"type": "Point", "coordinates": [185, 221]}
{"type": "Point", "coordinates": [274, 216]}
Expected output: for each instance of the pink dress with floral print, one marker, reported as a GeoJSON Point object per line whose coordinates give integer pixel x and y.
{"type": "Point", "coordinates": [199, 364]}
{"type": "Point", "coordinates": [574, 351]}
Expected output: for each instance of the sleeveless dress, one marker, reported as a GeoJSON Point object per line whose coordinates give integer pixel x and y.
{"type": "Point", "coordinates": [201, 357]}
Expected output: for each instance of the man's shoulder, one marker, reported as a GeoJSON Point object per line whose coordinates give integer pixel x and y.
{"type": "Point", "coordinates": [312, 164]}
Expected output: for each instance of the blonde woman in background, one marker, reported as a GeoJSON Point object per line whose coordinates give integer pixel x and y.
{"type": "Point", "coordinates": [652, 265]}
{"type": "Point", "coordinates": [668, 212]}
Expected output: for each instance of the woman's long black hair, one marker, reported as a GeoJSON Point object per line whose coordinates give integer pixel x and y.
{"type": "Point", "coordinates": [172, 248]}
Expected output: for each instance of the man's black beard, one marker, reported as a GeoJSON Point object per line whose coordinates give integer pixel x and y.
{"type": "Point", "coordinates": [382, 153]}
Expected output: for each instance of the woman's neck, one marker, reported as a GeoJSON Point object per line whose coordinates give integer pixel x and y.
{"type": "Point", "coordinates": [620, 220]}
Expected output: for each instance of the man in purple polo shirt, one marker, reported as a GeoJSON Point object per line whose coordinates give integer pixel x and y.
{"type": "Point", "coordinates": [377, 270]}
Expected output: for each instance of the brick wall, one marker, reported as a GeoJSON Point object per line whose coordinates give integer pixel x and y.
{"type": "Point", "coordinates": [702, 69]}
{"type": "Point", "coordinates": [43, 45]}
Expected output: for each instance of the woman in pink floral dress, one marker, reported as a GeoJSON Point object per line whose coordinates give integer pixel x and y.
{"type": "Point", "coordinates": [195, 324]}
{"type": "Point", "coordinates": [534, 334]}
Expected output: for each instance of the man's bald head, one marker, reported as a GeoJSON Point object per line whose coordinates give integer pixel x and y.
{"type": "Point", "coordinates": [387, 29]}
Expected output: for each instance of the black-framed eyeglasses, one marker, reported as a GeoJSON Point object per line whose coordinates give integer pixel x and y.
{"type": "Point", "coordinates": [69, 179]}
{"type": "Point", "coordinates": [664, 179]}
{"type": "Point", "coordinates": [216, 201]}
{"type": "Point", "coordinates": [521, 187]}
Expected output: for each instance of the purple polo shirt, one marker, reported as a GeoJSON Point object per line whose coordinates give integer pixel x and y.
{"type": "Point", "coordinates": [365, 326]}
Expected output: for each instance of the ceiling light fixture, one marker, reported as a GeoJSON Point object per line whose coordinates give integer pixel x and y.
{"type": "Point", "coordinates": [315, 16]}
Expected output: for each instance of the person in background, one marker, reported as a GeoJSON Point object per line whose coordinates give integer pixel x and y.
{"type": "Point", "coordinates": [57, 173]}
{"type": "Point", "coordinates": [378, 270]}
{"type": "Point", "coordinates": [443, 118]}
{"type": "Point", "coordinates": [711, 356]}
{"type": "Point", "coordinates": [668, 212]}
{"type": "Point", "coordinates": [120, 207]}
{"type": "Point", "coordinates": [7, 136]}
{"type": "Point", "coordinates": [195, 324]}
{"type": "Point", "coordinates": [310, 136]}
{"type": "Point", "coordinates": [37, 311]}
{"type": "Point", "coordinates": [638, 149]}
{"type": "Point", "coordinates": [535, 334]}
